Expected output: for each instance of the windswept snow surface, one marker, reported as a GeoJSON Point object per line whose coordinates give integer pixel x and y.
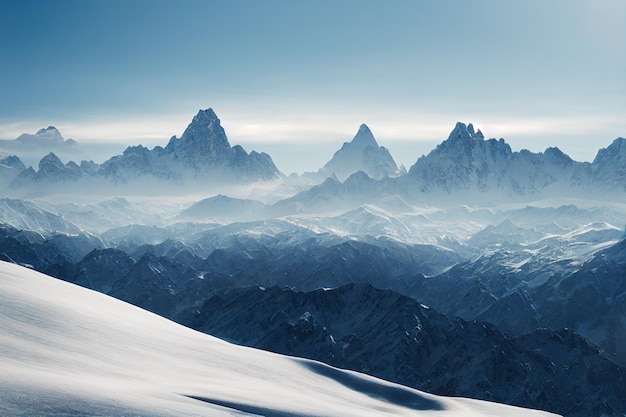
{"type": "Point", "coordinates": [66, 350]}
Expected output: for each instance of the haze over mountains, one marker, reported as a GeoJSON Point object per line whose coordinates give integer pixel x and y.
{"type": "Point", "coordinates": [512, 262]}
{"type": "Point", "coordinates": [460, 168]}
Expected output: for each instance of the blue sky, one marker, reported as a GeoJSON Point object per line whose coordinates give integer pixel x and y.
{"type": "Point", "coordinates": [296, 79]}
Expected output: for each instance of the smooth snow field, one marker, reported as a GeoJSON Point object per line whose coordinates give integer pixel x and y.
{"type": "Point", "coordinates": [69, 351]}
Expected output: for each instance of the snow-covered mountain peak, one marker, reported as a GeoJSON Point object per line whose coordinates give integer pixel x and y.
{"type": "Point", "coordinates": [49, 131]}
{"type": "Point", "coordinates": [362, 154]}
{"type": "Point", "coordinates": [205, 119]}
{"type": "Point", "coordinates": [51, 169]}
{"type": "Point", "coordinates": [468, 161]}
{"type": "Point", "coordinates": [463, 139]}
{"type": "Point", "coordinates": [204, 134]}
{"type": "Point", "coordinates": [364, 138]}
{"type": "Point", "coordinates": [204, 148]}
{"type": "Point", "coordinates": [45, 136]}
{"type": "Point", "coordinates": [202, 152]}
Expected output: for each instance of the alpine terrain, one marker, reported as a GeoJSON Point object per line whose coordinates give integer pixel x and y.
{"type": "Point", "coordinates": [484, 273]}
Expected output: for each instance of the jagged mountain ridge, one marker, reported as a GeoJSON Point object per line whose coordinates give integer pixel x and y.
{"type": "Point", "coordinates": [519, 292]}
{"type": "Point", "coordinates": [463, 166]}
{"type": "Point", "coordinates": [396, 338]}
{"type": "Point", "coordinates": [202, 153]}
{"type": "Point", "coordinates": [366, 331]}
{"type": "Point", "coordinates": [466, 168]}
{"type": "Point", "coordinates": [467, 162]}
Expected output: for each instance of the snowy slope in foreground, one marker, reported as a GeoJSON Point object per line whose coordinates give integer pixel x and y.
{"type": "Point", "coordinates": [65, 350]}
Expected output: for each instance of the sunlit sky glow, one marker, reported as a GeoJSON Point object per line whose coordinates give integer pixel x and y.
{"type": "Point", "coordinates": [291, 77]}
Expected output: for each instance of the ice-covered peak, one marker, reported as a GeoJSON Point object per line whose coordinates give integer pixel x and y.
{"type": "Point", "coordinates": [203, 140]}
{"type": "Point", "coordinates": [467, 161]}
{"type": "Point", "coordinates": [362, 154]}
{"type": "Point", "coordinates": [47, 130]}
{"type": "Point", "coordinates": [205, 128]}
{"type": "Point", "coordinates": [48, 135]}
{"type": "Point", "coordinates": [201, 152]}
{"type": "Point", "coordinates": [364, 138]}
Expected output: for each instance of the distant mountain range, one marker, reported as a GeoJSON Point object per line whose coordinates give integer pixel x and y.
{"type": "Point", "coordinates": [45, 137]}
{"type": "Point", "coordinates": [201, 154]}
{"type": "Point", "coordinates": [462, 167]}
{"type": "Point", "coordinates": [466, 162]}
